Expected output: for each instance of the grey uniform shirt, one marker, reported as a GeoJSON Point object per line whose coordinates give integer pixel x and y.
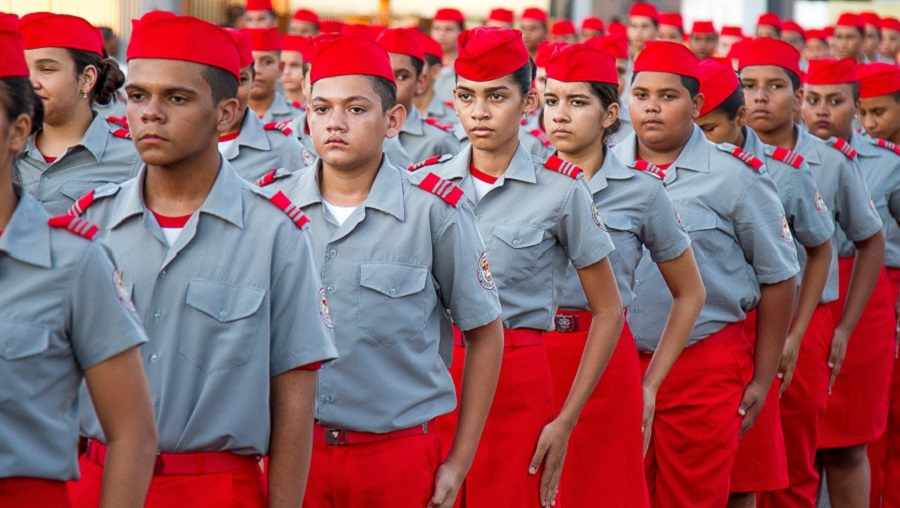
{"type": "Point", "coordinates": [281, 110]}
{"type": "Point", "coordinates": [232, 303]}
{"type": "Point", "coordinates": [61, 312]}
{"type": "Point", "coordinates": [639, 214]}
{"type": "Point", "coordinates": [422, 140]}
{"type": "Point", "coordinates": [844, 192]}
{"type": "Point", "coordinates": [401, 258]}
{"type": "Point", "coordinates": [100, 158]}
{"type": "Point", "coordinates": [739, 235]}
{"type": "Point", "coordinates": [533, 222]}
{"type": "Point", "coordinates": [258, 150]}
{"type": "Point", "coordinates": [881, 169]}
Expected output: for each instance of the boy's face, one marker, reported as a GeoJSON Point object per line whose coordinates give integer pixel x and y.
{"type": "Point", "coordinates": [408, 82]}
{"type": "Point", "coordinates": [828, 110]}
{"type": "Point", "coordinates": [171, 111]}
{"type": "Point", "coordinates": [890, 43]}
{"type": "Point", "coordinates": [268, 68]}
{"type": "Point", "coordinates": [640, 30]}
{"type": "Point", "coordinates": [848, 42]}
{"type": "Point", "coordinates": [304, 28]}
{"type": "Point", "coordinates": [662, 110]}
{"type": "Point", "coordinates": [533, 33]}
{"type": "Point", "coordinates": [259, 19]}
{"type": "Point", "coordinates": [880, 116]}
{"type": "Point", "coordinates": [816, 49]}
{"type": "Point", "coordinates": [769, 97]}
{"type": "Point", "coordinates": [767, 31]}
{"type": "Point", "coordinates": [445, 33]}
{"type": "Point", "coordinates": [670, 33]}
{"type": "Point", "coordinates": [703, 45]}
{"type": "Point", "coordinates": [873, 39]}
{"type": "Point", "coordinates": [244, 86]}
{"type": "Point", "coordinates": [346, 121]}
{"type": "Point", "coordinates": [292, 71]}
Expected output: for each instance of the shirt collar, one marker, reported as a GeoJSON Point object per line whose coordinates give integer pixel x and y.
{"type": "Point", "coordinates": [612, 169]}
{"type": "Point", "coordinates": [520, 168]}
{"type": "Point", "coordinates": [414, 124]}
{"type": "Point", "coordinates": [695, 154]}
{"type": "Point", "coordinates": [436, 106]}
{"type": "Point", "coordinates": [27, 235]}
{"type": "Point", "coordinates": [280, 106]}
{"type": "Point", "coordinates": [863, 146]}
{"type": "Point", "coordinates": [804, 146]}
{"type": "Point", "coordinates": [386, 193]}
{"type": "Point", "coordinates": [252, 135]}
{"type": "Point", "coordinates": [94, 140]}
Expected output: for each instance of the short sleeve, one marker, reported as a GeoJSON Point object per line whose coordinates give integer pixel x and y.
{"type": "Point", "coordinates": [806, 210]}
{"type": "Point", "coordinates": [581, 230]}
{"type": "Point", "coordinates": [660, 230]}
{"type": "Point", "coordinates": [856, 215]}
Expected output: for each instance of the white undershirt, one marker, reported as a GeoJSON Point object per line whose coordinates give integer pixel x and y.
{"type": "Point", "coordinates": [171, 234]}
{"type": "Point", "coordinates": [340, 213]}
{"type": "Point", "coordinates": [225, 145]}
{"type": "Point", "coordinates": [482, 188]}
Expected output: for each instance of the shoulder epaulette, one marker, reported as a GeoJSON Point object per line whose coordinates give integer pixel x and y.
{"type": "Point", "coordinates": [441, 188]}
{"type": "Point", "coordinates": [293, 211]}
{"type": "Point", "coordinates": [542, 137]}
{"type": "Point", "coordinates": [858, 130]}
{"type": "Point", "coordinates": [649, 168]}
{"type": "Point", "coordinates": [789, 157]}
{"type": "Point", "coordinates": [431, 161]}
{"type": "Point", "coordinates": [298, 105]}
{"type": "Point", "coordinates": [561, 166]}
{"type": "Point", "coordinates": [272, 177]}
{"type": "Point", "coordinates": [84, 202]}
{"type": "Point", "coordinates": [439, 124]}
{"type": "Point", "coordinates": [843, 146]}
{"type": "Point", "coordinates": [883, 143]}
{"type": "Point", "coordinates": [122, 133]}
{"type": "Point", "coordinates": [746, 157]}
{"type": "Point", "coordinates": [74, 224]}
{"type": "Point", "coordinates": [121, 121]}
{"type": "Point", "coordinates": [283, 126]}
{"type": "Point", "coordinates": [449, 104]}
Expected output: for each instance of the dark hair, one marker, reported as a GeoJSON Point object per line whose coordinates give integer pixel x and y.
{"type": "Point", "coordinates": [107, 33]}
{"type": "Point", "coordinates": [795, 79]}
{"type": "Point", "coordinates": [854, 89]}
{"type": "Point", "coordinates": [418, 65]}
{"type": "Point", "coordinates": [432, 60]}
{"type": "Point", "coordinates": [896, 96]}
{"type": "Point", "coordinates": [608, 94]}
{"type": "Point", "coordinates": [524, 76]}
{"type": "Point", "coordinates": [109, 76]}
{"type": "Point", "coordinates": [731, 104]}
{"type": "Point", "coordinates": [223, 84]}
{"type": "Point", "coordinates": [18, 98]}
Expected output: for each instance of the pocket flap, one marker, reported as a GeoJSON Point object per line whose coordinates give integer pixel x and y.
{"type": "Point", "coordinates": [392, 279]}
{"type": "Point", "coordinates": [617, 221]}
{"type": "Point", "coordinates": [21, 340]}
{"type": "Point", "coordinates": [75, 190]}
{"type": "Point", "coordinates": [224, 302]}
{"type": "Point", "coordinates": [519, 236]}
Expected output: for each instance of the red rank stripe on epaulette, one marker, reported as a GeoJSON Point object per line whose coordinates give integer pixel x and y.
{"type": "Point", "coordinates": [750, 159]}
{"type": "Point", "coordinates": [429, 162]}
{"type": "Point", "coordinates": [563, 166]}
{"type": "Point", "coordinates": [298, 104]}
{"type": "Point", "coordinates": [282, 126]}
{"type": "Point", "coordinates": [81, 204]}
{"type": "Point", "coordinates": [74, 224]}
{"type": "Point", "coordinates": [122, 133]}
{"type": "Point", "coordinates": [266, 179]}
{"type": "Point", "coordinates": [293, 211]}
{"type": "Point", "coordinates": [444, 189]}
{"type": "Point", "coordinates": [844, 147]}
{"type": "Point", "coordinates": [883, 143]}
{"type": "Point", "coordinates": [449, 104]}
{"type": "Point", "coordinates": [118, 120]}
{"type": "Point", "coordinates": [542, 137]}
{"type": "Point", "coordinates": [788, 157]}
{"type": "Point", "coordinates": [439, 124]}
{"type": "Point", "coordinates": [649, 167]}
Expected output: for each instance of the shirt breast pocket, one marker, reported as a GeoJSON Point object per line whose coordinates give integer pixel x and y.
{"type": "Point", "coordinates": [227, 320]}
{"type": "Point", "coordinates": [515, 258]}
{"type": "Point", "coordinates": [74, 190]}
{"type": "Point", "coordinates": [701, 227]}
{"type": "Point", "coordinates": [21, 346]}
{"type": "Point", "coordinates": [393, 301]}
{"type": "Point", "coordinates": [619, 228]}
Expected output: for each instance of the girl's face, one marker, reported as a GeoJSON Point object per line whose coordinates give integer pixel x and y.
{"type": "Point", "coordinates": [55, 81]}
{"type": "Point", "coordinates": [828, 110]}
{"type": "Point", "coordinates": [575, 118]}
{"type": "Point", "coordinates": [491, 111]}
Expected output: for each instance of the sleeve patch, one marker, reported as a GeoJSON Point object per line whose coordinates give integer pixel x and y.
{"type": "Point", "coordinates": [439, 124]}
{"type": "Point", "coordinates": [883, 143]}
{"type": "Point", "coordinates": [122, 133]}
{"type": "Point", "coordinates": [431, 161]}
{"type": "Point", "coordinates": [444, 189]}
{"type": "Point", "coordinates": [122, 291]}
{"type": "Point", "coordinates": [786, 231]}
{"type": "Point", "coordinates": [74, 224]}
{"type": "Point", "coordinates": [820, 203]}
{"type": "Point", "coordinates": [650, 168]}
{"type": "Point", "coordinates": [323, 309]}
{"type": "Point", "coordinates": [554, 163]}
{"type": "Point", "coordinates": [595, 214]}
{"type": "Point", "coordinates": [747, 157]}
{"type": "Point", "coordinates": [282, 126]}
{"type": "Point", "coordinates": [293, 211]}
{"type": "Point", "coordinates": [788, 157]}
{"type": "Point", "coordinates": [843, 146]}
{"type": "Point", "coordinates": [485, 278]}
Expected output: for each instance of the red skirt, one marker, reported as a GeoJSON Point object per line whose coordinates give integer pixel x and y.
{"type": "Point", "coordinates": [608, 436]}
{"type": "Point", "coordinates": [858, 406]}
{"type": "Point", "coordinates": [21, 492]}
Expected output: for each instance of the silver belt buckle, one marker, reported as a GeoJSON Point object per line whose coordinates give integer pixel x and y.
{"type": "Point", "coordinates": [565, 324]}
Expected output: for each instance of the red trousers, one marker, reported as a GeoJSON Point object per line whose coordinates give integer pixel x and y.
{"type": "Point", "coordinates": [605, 462]}
{"type": "Point", "coordinates": [696, 429]}
{"type": "Point", "coordinates": [21, 492]}
{"type": "Point", "coordinates": [761, 460]}
{"type": "Point", "coordinates": [242, 488]}
{"type": "Point", "coordinates": [802, 407]}
{"type": "Point", "coordinates": [522, 405]}
{"type": "Point", "coordinates": [858, 406]}
{"type": "Point", "coordinates": [884, 453]}
{"type": "Point", "coordinates": [391, 473]}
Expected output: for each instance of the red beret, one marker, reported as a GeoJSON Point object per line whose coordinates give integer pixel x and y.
{"type": "Point", "coordinates": [672, 19]}
{"type": "Point", "coordinates": [487, 53]}
{"type": "Point", "coordinates": [431, 46]}
{"type": "Point", "coordinates": [47, 30]}
{"type": "Point", "coordinates": [259, 5]}
{"type": "Point", "coordinates": [348, 55]}
{"type": "Point", "coordinates": [737, 49]}
{"type": "Point", "coordinates": [732, 31]}
{"type": "Point", "coordinates": [790, 25]}
{"type": "Point", "coordinates": [717, 83]}
{"type": "Point", "coordinates": [877, 79]}
{"type": "Point", "coordinates": [242, 40]}
{"type": "Point", "coordinates": [501, 15]}
{"type": "Point", "coordinates": [166, 36]}
{"type": "Point", "coordinates": [404, 41]}
{"type": "Point", "coordinates": [770, 19]}
{"type": "Point", "coordinates": [890, 23]}
{"type": "Point", "coordinates": [816, 34]}
{"type": "Point", "coordinates": [666, 56]}
{"type": "Point", "coordinates": [830, 71]}
{"type": "Point", "coordinates": [614, 44]}
{"type": "Point", "coordinates": [703, 27]}
{"type": "Point", "coordinates": [454, 15]}
{"type": "Point", "coordinates": [313, 45]}
{"type": "Point", "coordinates": [616, 28]}
{"type": "Point", "coordinates": [290, 42]}
{"type": "Point", "coordinates": [592, 23]}
{"type": "Point", "coordinates": [581, 62]}
{"type": "Point", "coordinates": [829, 31]}
{"type": "Point", "coordinates": [871, 18]}
{"type": "Point", "coordinates": [330, 26]}
{"type": "Point", "coordinates": [767, 51]}
{"type": "Point", "coordinates": [264, 39]}
{"type": "Point", "coordinates": [852, 20]}
{"type": "Point", "coordinates": [545, 51]}
{"type": "Point", "coordinates": [306, 15]}
{"type": "Point", "coordinates": [535, 14]}
{"type": "Point", "coordinates": [563, 27]}
{"type": "Point", "coordinates": [12, 65]}
{"type": "Point", "coordinates": [358, 30]}
{"type": "Point", "coordinates": [645, 10]}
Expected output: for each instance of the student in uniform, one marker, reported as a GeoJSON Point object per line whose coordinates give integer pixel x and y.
{"type": "Point", "coordinates": [533, 23]}
{"type": "Point", "coordinates": [304, 23]}
{"type": "Point", "coordinates": [500, 18]}
{"type": "Point", "coordinates": [536, 217]}
{"type": "Point", "coordinates": [746, 256]}
{"type": "Point", "coordinates": [761, 463]}
{"type": "Point", "coordinates": [671, 27]}
{"type": "Point", "coordinates": [849, 37]}
{"type": "Point", "coordinates": [266, 100]}
{"type": "Point", "coordinates": [375, 439]}
{"type": "Point", "coordinates": [427, 101]}
{"type": "Point", "coordinates": [591, 26]}
{"type": "Point", "coordinates": [772, 94]}
{"type": "Point", "coordinates": [421, 137]}
{"type": "Point", "coordinates": [63, 318]}
{"type": "Point", "coordinates": [643, 26]}
{"type": "Point", "coordinates": [703, 40]}
{"type": "Point", "coordinates": [291, 60]}
{"type": "Point", "coordinates": [75, 149]}
{"type": "Point", "coordinates": [446, 26]}
{"type": "Point", "coordinates": [581, 108]}
{"type": "Point", "coordinates": [224, 279]}
{"type": "Point", "coordinates": [858, 400]}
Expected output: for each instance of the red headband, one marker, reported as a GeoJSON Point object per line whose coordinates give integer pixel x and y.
{"type": "Point", "coordinates": [769, 19]}
{"type": "Point", "coordinates": [259, 5]}
{"type": "Point", "coordinates": [592, 23]}
{"type": "Point", "coordinates": [545, 51]}
{"type": "Point", "coordinates": [703, 27]}
{"type": "Point", "coordinates": [306, 15]}
{"type": "Point", "coordinates": [790, 25]}
{"type": "Point", "coordinates": [454, 15]}
{"type": "Point", "coordinates": [851, 20]}
{"type": "Point", "coordinates": [501, 15]}
{"type": "Point", "coordinates": [535, 14]}
{"type": "Point", "coordinates": [290, 42]}
{"type": "Point", "coordinates": [616, 45]}
{"type": "Point", "coordinates": [242, 41]}
{"type": "Point", "coordinates": [732, 31]}
{"type": "Point", "coordinates": [562, 28]}
{"type": "Point", "coordinates": [672, 19]}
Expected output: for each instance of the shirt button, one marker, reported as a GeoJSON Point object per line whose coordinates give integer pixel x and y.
{"type": "Point", "coordinates": [10, 349]}
{"type": "Point", "coordinates": [393, 291]}
{"type": "Point", "coordinates": [332, 253]}
{"type": "Point", "coordinates": [223, 314]}
{"type": "Point", "coordinates": [157, 315]}
{"type": "Point", "coordinates": [326, 399]}
{"type": "Point", "coordinates": [154, 358]}
{"type": "Point", "coordinates": [329, 289]}
{"type": "Point", "coordinates": [688, 227]}
{"type": "Point", "coordinates": [516, 241]}
{"type": "Point", "coordinates": [162, 273]}
{"type": "Point", "coordinates": [637, 281]}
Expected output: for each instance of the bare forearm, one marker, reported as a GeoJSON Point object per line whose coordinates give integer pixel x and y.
{"type": "Point", "coordinates": [290, 449]}
{"type": "Point", "coordinates": [773, 318]}
{"type": "Point", "coordinates": [869, 260]}
{"type": "Point", "coordinates": [815, 275]}
{"type": "Point", "coordinates": [127, 471]}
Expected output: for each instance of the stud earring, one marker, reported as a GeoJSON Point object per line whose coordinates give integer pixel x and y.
{"type": "Point", "coordinates": [84, 95]}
